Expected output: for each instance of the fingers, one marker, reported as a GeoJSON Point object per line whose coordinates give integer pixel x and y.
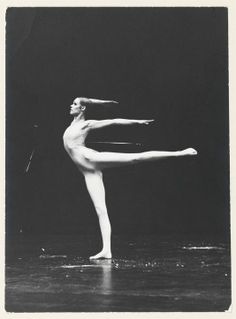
{"type": "Point", "coordinates": [147, 122]}
{"type": "Point", "coordinates": [150, 121]}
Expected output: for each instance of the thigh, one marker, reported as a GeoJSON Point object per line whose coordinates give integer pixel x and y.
{"type": "Point", "coordinates": [95, 187]}
{"type": "Point", "coordinates": [102, 160]}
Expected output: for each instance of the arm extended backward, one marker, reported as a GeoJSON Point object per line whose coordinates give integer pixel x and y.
{"type": "Point", "coordinates": [89, 101]}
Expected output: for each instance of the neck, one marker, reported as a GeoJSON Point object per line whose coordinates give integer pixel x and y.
{"type": "Point", "coordinates": [79, 118]}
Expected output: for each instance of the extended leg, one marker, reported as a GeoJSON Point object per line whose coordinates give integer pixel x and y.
{"type": "Point", "coordinates": [103, 160]}
{"type": "Point", "coordinates": [95, 186]}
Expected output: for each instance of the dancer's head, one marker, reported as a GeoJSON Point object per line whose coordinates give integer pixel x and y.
{"type": "Point", "coordinates": [80, 103]}
{"type": "Point", "coordinates": [78, 106]}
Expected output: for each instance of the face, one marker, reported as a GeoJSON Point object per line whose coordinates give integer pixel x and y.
{"type": "Point", "coordinates": [76, 107]}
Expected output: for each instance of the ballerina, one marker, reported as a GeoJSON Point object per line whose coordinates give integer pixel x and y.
{"type": "Point", "coordinates": [91, 163]}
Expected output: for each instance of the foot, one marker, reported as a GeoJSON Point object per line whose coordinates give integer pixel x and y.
{"type": "Point", "coordinates": [188, 151]}
{"type": "Point", "coordinates": [102, 254]}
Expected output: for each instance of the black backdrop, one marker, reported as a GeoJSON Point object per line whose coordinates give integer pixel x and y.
{"type": "Point", "coordinates": [170, 64]}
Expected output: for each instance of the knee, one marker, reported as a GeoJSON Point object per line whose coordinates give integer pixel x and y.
{"type": "Point", "coordinates": [101, 210]}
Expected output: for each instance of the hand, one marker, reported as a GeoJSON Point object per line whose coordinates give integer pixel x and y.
{"type": "Point", "coordinates": [146, 122]}
{"type": "Point", "coordinates": [115, 102]}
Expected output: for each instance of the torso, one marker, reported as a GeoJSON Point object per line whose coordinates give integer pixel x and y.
{"type": "Point", "coordinates": [74, 143]}
{"type": "Point", "coordinates": [75, 135]}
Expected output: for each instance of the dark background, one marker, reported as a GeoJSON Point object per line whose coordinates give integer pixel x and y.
{"type": "Point", "coordinates": [170, 64]}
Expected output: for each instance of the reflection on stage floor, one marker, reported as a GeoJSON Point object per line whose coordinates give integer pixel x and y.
{"type": "Point", "coordinates": [146, 273]}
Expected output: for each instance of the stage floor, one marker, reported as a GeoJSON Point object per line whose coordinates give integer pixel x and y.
{"type": "Point", "coordinates": [147, 273]}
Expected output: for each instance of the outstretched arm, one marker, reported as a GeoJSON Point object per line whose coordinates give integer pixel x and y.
{"type": "Point", "coordinates": [97, 101]}
{"type": "Point", "coordinates": [93, 124]}
{"type": "Point", "coordinates": [89, 101]}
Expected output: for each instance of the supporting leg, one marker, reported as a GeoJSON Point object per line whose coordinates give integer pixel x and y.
{"type": "Point", "coordinates": [95, 186]}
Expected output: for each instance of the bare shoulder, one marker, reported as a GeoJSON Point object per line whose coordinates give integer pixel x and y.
{"type": "Point", "coordinates": [88, 124]}
{"type": "Point", "coordinates": [85, 125]}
